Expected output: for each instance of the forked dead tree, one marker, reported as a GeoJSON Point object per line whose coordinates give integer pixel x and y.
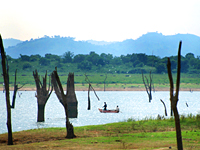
{"type": "Point", "coordinates": [64, 98]}
{"type": "Point", "coordinates": [90, 88]}
{"type": "Point", "coordinates": [6, 84]}
{"type": "Point", "coordinates": [42, 95]}
{"type": "Point", "coordinates": [71, 96]}
{"type": "Point", "coordinates": [148, 85]}
{"type": "Point", "coordinates": [174, 97]}
{"type": "Point", "coordinates": [16, 88]}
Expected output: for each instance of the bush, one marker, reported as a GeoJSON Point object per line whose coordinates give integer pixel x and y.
{"type": "Point", "coordinates": [26, 66]}
{"type": "Point", "coordinates": [85, 65]}
{"type": "Point", "coordinates": [44, 62]}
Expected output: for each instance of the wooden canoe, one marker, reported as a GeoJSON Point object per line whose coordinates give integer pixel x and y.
{"type": "Point", "coordinates": [108, 111]}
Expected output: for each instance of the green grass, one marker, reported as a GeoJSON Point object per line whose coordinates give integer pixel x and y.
{"type": "Point", "coordinates": [112, 81]}
{"type": "Point", "coordinates": [130, 134]}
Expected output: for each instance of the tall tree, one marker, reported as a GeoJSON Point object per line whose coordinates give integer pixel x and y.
{"type": "Point", "coordinates": [64, 98]}
{"type": "Point", "coordinates": [7, 93]}
{"type": "Point", "coordinates": [42, 95]}
{"type": "Point", "coordinates": [174, 97]}
{"type": "Point", "coordinates": [68, 57]}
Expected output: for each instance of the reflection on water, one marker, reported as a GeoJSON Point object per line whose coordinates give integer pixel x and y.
{"type": "Point", "coordinates": [133, 104]}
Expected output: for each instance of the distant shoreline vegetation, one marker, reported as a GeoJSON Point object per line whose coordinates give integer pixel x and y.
{"type": "Point", "coordinates": [103, 63]}
{"type": "Point", "coordinates": [122, 72]}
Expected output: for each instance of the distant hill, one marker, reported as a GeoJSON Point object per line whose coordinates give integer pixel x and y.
{"type": "Point", "coordinates": [10, 42]}
{"type": "Point", "coordinates": [56, 45]}
{"type": "Point", "coordinates": [99, 42]}
{"type": "Point", "coordinates": [150, 43]}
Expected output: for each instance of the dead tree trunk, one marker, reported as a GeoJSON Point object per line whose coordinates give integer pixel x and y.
{"type": "Point", "coordinates": [148, 85]}
{"type": "Point", "coordinates": [15, 90]}
{"type": "Point", "coordinates": [174, 98]}
{"type": "Point", "coordinates": [90, 87]}
{"type": "Point", "coordinates": [42, 95]}
{"type": "Point", "coordinates": [171, 110]}
{"type": "Point", "coordinates": [64, 98]}
{"type": "Point", "coordinates": [71, 97]}
{"type": "Point", "coordinates": [6, 84]}
{"type": "Point", "coordinates": [89, 97]}
{"type": "Point", "coordinates": [164, 107]}
{"type": "Point", "coordinates": [72, 102]}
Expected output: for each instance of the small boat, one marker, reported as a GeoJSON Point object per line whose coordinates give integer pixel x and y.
{"type": "Point", "coordinates": [108, 111]}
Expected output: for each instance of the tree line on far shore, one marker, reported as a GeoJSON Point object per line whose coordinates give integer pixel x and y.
{"type": "Point", "coordinates": [103, 63]}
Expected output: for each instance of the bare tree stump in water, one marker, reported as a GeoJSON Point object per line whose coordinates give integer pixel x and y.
{"type": "Point", "coordinates": [71, 96]}
{"type": "Point", "coordinates": [148, 85]}
{"type": "Point", "coordinates": [6, 84]}
{"type": "Point", "coordinates": [174, 98]}
{"type": "Point", "coordinates": [90, 87]}
{"type": "Point", "coordinates": [16, 88]}
{"type": "Point", "coordinates": [42, 95]}
{"type": "Point", "coordinates": [89, 96]}
{"type": "Point", "coordinates": [72, 102]}
{"type": "Point", "coordinates": [64, 98]}
{"type": "Point", "coordinates": [164, 107]}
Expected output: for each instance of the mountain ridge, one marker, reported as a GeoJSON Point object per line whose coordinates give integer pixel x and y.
{"type": "Point", "coordinates": [150, 43]}
{"type": "Point", "coordinates": [11, 42]}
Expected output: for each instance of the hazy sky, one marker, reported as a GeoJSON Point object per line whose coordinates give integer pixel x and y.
{"type": "Point", "coordinates": [108, 20]}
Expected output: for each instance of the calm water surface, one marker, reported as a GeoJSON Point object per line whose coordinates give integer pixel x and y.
{"type": "Point", "coordinates": [132, 104]}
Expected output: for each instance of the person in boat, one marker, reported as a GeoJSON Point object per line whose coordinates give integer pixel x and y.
{"type": "Point", "coordinates": [117, 108]}
{"type": "Point", "coordinates": [104, 106]}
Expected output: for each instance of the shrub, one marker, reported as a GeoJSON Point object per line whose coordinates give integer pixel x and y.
{"type": "Point", "coordinates": [26, 66]}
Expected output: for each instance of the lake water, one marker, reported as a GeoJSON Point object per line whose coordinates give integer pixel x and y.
{"type": "Point", "coordinates": [132, 104]}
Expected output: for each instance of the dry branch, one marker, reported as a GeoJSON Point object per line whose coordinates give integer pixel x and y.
{"type": "Point", "coordinates": [89, 97]}
{"type": "Point", "coordinates": [90, 87]}
{"type": "Point", "coordinates": [164, 107]}
{"type": "Point", "coordinates": [88, 81]}
{"type": "Point", "coordinates": [148, 85]}
{"type": "Point", "coordinates": [16, 88]}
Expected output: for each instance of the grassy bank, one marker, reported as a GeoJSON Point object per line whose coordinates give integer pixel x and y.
{"type": "Point", "coordinates": [113, 81]}
{"type": "Point", "coordinates": [145, 134]}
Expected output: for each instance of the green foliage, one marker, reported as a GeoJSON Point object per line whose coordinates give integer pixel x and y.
{"type": "Point", "coordinates": [161, 68]}
{"type": "Point", "coordinates": [104, 63]}
{"type": "Point", "coordinates": [26, 65]}
{"type": "Point", "coordinates": [85, 65]}
{"type": "Point", "coordinates": [44, 62]}
{"type": "Point", "coordinates": [125, 69]}
{"type": "Point", "coordinates": [67, 57]}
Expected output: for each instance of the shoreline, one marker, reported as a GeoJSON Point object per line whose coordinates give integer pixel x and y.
{"type": "Point", "coordinates": [111, 89]}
